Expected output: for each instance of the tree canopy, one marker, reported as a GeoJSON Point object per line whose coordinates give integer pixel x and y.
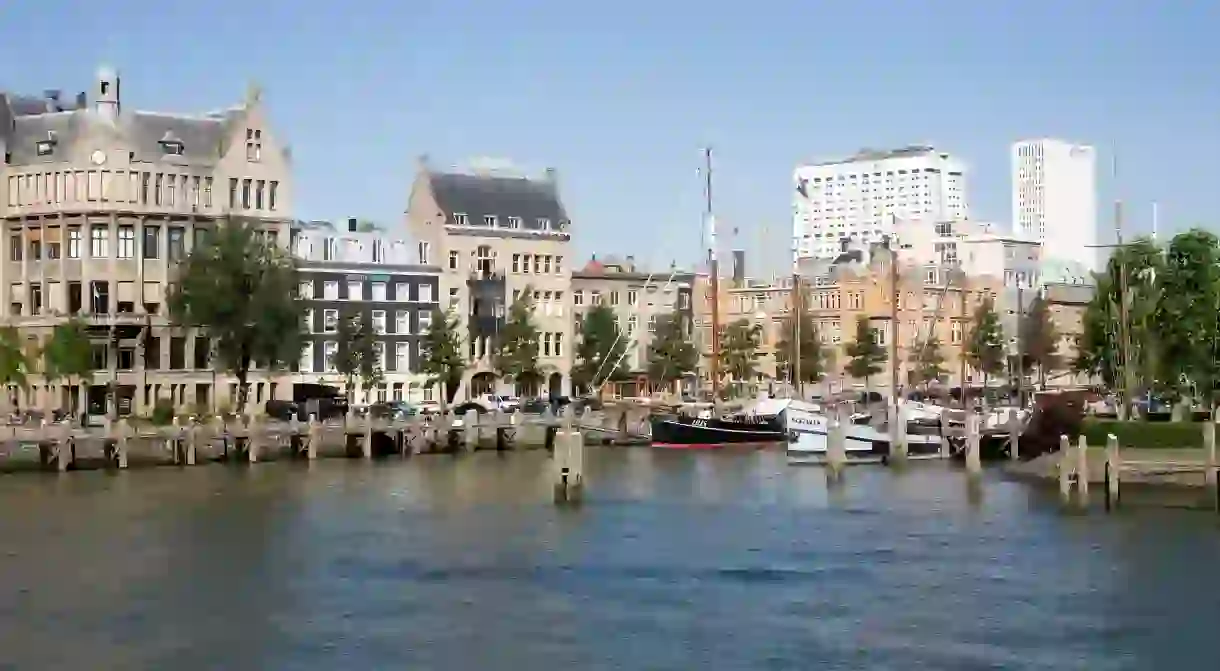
{"type": "Point", "coordinates": [865, 352]}
{"type": "Point", "coordinates": [441, 352]}
{"type": "Point", "coordinates": [517, 350]}
{"type": "Point", "coordinates": [739, 343]}
{"type": "Point", "coordinates": [243, 289]}
{"type": "Point", "coordinates": [814, 357]}
{"type": "Point", "coordinates": [357, 354]}
{"type": "Point", "coordinates": [927, 361]}
{"type": "Point", "coordinates": [985, 344]}
{"type": "Point", "coordinates": [671, 354]}
{"type": "Point", "coordinates": [600, 351]}
{"type": "Point", "coordinates": [1039, 341]}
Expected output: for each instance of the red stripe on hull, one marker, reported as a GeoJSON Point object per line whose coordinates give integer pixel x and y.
{"type": "Point", "coordinates": [690, 446]}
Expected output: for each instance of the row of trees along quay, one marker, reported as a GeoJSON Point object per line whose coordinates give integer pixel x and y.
{"type": "Point", "coordinates": [1153, 326]}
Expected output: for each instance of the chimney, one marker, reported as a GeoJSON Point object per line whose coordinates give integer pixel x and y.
{"type": "Point", "coordinates": [82, 99]}
{"type": "Point", "coordinates": [630, 264]}
{"type": "Point", "coordinates": [552, 175]}
{"type": "Point", "coordinates": [351, 224]}
{"type": "Point", "coordinates": [52, 98]}
{"type": "Point", "coordinates": [739, 267]}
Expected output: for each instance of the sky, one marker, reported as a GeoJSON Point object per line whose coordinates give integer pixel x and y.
{"type": "Point", "coordinates": [621, 97]}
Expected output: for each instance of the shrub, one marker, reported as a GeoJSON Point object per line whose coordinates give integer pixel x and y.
{"type": "Point", "coordinates": [163, 412]}
{"type": "Point", "coordinates": [1054, 416]}
{"type": "Point", "coordinates": [1144, 434]}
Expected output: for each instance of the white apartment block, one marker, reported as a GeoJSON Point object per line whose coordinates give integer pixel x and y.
{"type": "Point", "coordinates": [861, 197]}
{"type": "Point", "coordinates": [1054, 198]}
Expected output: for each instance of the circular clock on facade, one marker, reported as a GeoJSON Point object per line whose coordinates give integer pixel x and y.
{"type": "Point", "coordinates": [98, 157]}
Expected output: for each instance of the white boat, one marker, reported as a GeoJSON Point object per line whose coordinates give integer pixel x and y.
{"type": "Point", "coordinates": [808, 429]}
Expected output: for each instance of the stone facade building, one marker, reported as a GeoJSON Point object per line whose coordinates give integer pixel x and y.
{"type": "Point", "coordinates": [638, 298]}
{"type": "Point", "coordinates": [496, 233]}
{"type": "Point", "coordinates": [99, 201]}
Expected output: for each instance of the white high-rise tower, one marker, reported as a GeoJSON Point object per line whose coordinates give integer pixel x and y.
{"type": "Point", "coordinates": [1054, 198]}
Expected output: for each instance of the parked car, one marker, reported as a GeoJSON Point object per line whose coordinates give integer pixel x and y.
{"type": "Point", "coordinates": [392, 410]}
{"type": "Point", "coordinates": [429, 408]}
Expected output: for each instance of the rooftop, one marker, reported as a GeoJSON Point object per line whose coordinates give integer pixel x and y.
{"type": "Point", "coordinates": [868, 154]}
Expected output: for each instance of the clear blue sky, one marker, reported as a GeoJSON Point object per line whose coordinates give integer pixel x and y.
{"type": "Point", "coordinates": [620, 96]}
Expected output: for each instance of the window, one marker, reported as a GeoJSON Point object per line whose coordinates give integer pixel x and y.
{"type": "Point", "coordinates": [489, 220]}
{"type": "Point", "coordinates": [330, 249]}
{"type": "Point", "coordinates": [177, 243]}
{"type": "Point", "coordinates": [453, 260]}
{"type": "Point", "coordinates": [402, 322]}
{"type": "Point", "coordinates": [578, 297]}
{"type": "Point", "coordinates": [378, 290]}
{"type": "Point", "coordinates": [425, 253]}
{"type": "Point", "coordinates": [514, 222]}
{"type": "Point", "coordinates": [453, 298]}
{"type": "Point", "coordinates": [425, 322]}
{"type": "Point", "coordinates": [614, 298]}
{"type": "Point", "coordinates": [330, 290]}
{"type": "Point", "coordinates": [305, 289]}
{"type": "Point", "coordinates": [543, 223]}
{"type": "Point", "coordinates": [955, 334]}
{"type": "Point", "coordinates": [402, 356]}
{"type": "Point", "coordinates": [45, 147]}
{"type": "Point", "coordinates": [245, 194]}
{"type": "Point", "coordinates": [127, 242]}
{"type": "Point", "coordinates": [595, 298]}
{"type": "Point", "coordinates": [402, 292]}
{"type": "Point", "coordinates": [306, 365]}
{"type": "Point", "coordinates": [355, 290]}
{"type": "Point", "coordinates": [460, 219]}
{"type": "Point", "coordinates": [172, 147]}
{"type": "Point", "coordinates": [329, 349]}
{"type": "Point", "coordinates": [546, 264]}
{"type": "Point", "coordinates": [232, 192]}
{"type": "Point", "coordinates": [74, 242]}
{"type": "Point", "coordinates": [99, 239]}
{"type": "Point", "coordinates": [425, 293]}
{"type": "Point", "coordinates": [271, 194]}
{"type": "Point", "coordinates": [379, 321]}
{"type": "Point", "coordinates": [546, 344]}
{"type": "Point", "coordinates": [152, 242]}
{"type": "Point", "coordinates": [379, 355]}
{"type": "Point", "coordinates": [525, 265]}
{"type": "Point", "coordinates": [258, 194]}
{"type": "Point", "coordinates": [633, 297]}
{"type": "Point", "coordinates": [207, 191]}
{"type": "Point", "coordinates": [537, 264]}
{"type": "Point", "coordinates": [169, 190]}
{"type": "Point", "coordinates": [558, 344]}
{"type": "Point", "coordinates": [330, 321]}
{"type": "Point", "coordinates": [254, 145]}
{"type": "Point", "coordinates": [195, 192]}
{"type": "Point", "coordinates": [307, 326]}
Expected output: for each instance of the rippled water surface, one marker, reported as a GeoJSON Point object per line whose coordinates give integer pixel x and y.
{"type": "Point", "coordinates": [676, 561]}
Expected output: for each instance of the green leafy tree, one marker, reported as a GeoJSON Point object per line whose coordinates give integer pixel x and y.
{"type": "Point", "coordinates": [927, 362]}
{"type": "Point", "coordinates": [739, 355]}
{"type": "Point", "coordinates": [15, 363]}
{"type": "Point", "coordinates": [600, 351]}
{"type": "Point", "coordinates": [1187, 314]}
{"type": "Point", "coordinates": [671, 353]}
{"type": "Point", "coordinates": [243, 288]}
{"type": "Point", "coordinates": [815, 359]}
{"type": "Point", "coordinates": [441, 353]}
{"type": "Point", "coordinates": [68, 355]}
{"type": "Point", "coordinates": [356, 352]}
{"type": "Point", "coordinates": [1039, 341]}
{"type": "Point", "coordinates": [865, 352]}
{"type": "Point", "coordinates": [516, 355]}
{"type": "Point", "coordinates": [985, 345]}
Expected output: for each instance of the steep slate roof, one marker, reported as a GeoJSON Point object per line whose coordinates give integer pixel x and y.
{"type": "Point", "coordinates": [25, 121]}
{"type": "Point", "coordinates": [479, 195]}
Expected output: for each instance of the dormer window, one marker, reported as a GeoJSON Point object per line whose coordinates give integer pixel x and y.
{"type": "Point", "coordinates": [489, 220]}
{"type": "Point", "coordinates": [172, 147]}
{"type": "Point", "coordinates": [514, 222]}
{"type": "Point", "coordinates": [45, 147]}
{"type": "Point", "coordinates": [461, 219]}
{"type": "Point", "coordinates": [254, 144]}
{"type": "Point", "coordinates": [544, 223]}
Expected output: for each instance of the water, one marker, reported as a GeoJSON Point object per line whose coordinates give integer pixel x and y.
{"type": "Point", "coordinates": [677, 561]}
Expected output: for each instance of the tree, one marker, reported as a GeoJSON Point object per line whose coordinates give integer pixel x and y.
{"type": "Point", "coordinates": [600, 351]}
{"type": "Point", "coordinates": [866, 353]}
{"type": "Point", "coordinates": [1039, 341]}
{"type": "Point", "coordinates": [68, 355]}
{"type": "Point", "coordinates": [927, 362]}
{"type": "Point", "coordinates": [739, 350]}
{"type": "Point", "coordinates": [1186, 316]}
{"type": "Point", "coordinates": [985, 345]}
{"type": "Point", "coordinates": [671, 354]}
{"type": "Point", "coordinates": [516, 355]}
{"type": "Point", "coordinates": [814, 359]}
{"type": "Point", "coordinates": [356, 353]}
{"type": "Point", "coordinates": [441, 350]}
{"type": "Point", "coordinates": [14, 361]}
{"type": "Point", "coordinates": [243, 289]}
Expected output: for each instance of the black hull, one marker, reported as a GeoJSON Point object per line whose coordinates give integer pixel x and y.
{"type": "Point", "coordinates": [689, 432]}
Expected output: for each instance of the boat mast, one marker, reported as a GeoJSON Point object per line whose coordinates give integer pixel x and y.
{"type": "Point", "coordinates": [713, 270]}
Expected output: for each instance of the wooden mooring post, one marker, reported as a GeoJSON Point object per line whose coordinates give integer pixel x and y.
{"type": "Point", "coordinates": [470, 430]}
{"type": "Point", "coordinates": [836, 444]}
{"type": "Point", "coordinates": [898, 434]}
{"type": "Point", "coordinates": [974, 463]}
{"type": "Point", "coordinates": [1212, 475]}
{"type": "Point", "coordinates": [314, 439]}
{"type": "Point", "coordinates": [1113, 474]}
{"type": "Point", "coordinates": [569, 463]}
{"type": "Point", "coordinates": [366, 444]}
{"type": "Point", "coordinates": [1073, 471]}
{"type": "Point", "coordinates": [1014, 434]}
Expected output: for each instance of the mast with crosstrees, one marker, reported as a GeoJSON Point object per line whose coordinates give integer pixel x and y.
{"type": "Point", "coordinates": [713, 271]}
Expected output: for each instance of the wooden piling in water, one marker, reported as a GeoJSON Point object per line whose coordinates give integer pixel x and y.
{"type": "Point", "coordinates": [974, 463]}
{"type": "Point", "coordinates": [1065, 469]}
{"type": "Point", "coordinates": [366, 446]}
{"type": "Point", "coordinates": [252, 438]}
{"type": "Point", "coordinates": [1014, 435]}
{"type": "Point", "coordinates": [1212, 476]}
{"type": "Point", "coordinates": [470, 430]}
{"type": "Point", "coordinates": [898, 434]}
{"type": "Point", "coordinates": [836, 447]}
{"type": "Point", "coordinates": [314, 439]}
{"type": "Point", "coordinates": [1113, 472]}
{"type": "Point", "coordinates": [1082, 470]}
{"type": "Point", "coordinates": [122, 442]}
{"type": "Point", "coordinates": [569, 466]}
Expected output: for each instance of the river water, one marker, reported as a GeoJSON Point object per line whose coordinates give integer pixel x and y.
{"type": "Point", "coordinates": [676, 561]}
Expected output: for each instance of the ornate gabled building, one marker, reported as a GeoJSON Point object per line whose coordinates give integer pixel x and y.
{"type": "Point", "coordinates": [99, 202]}
{"type": "Point", "coordinates": [496, 233]}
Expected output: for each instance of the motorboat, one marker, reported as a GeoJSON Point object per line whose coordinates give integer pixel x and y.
{"type": "Point", "coordinates": [864, 441]}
